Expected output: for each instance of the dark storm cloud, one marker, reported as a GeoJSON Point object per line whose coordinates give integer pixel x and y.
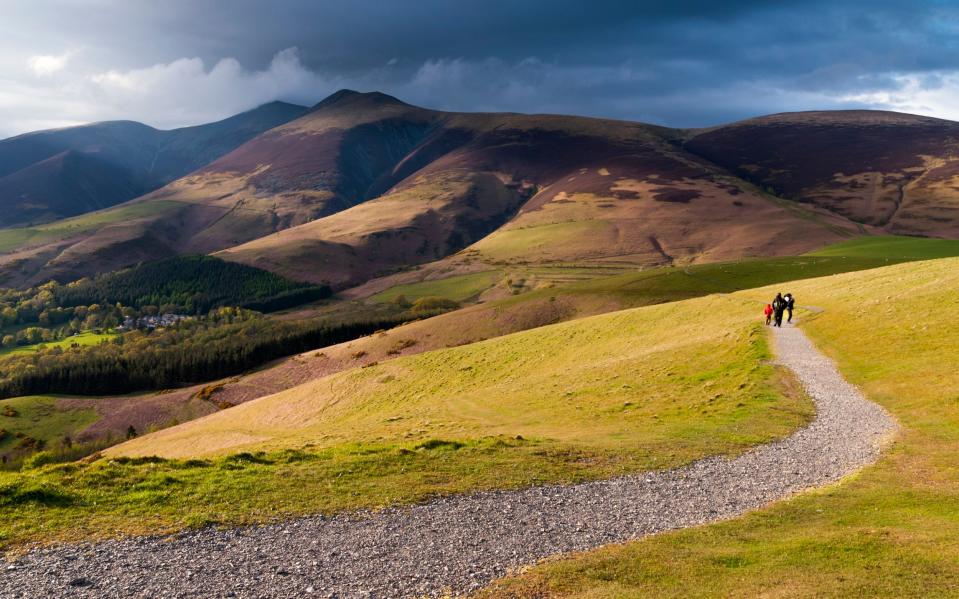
{"type": "Point", "coordinates": [679, 63]}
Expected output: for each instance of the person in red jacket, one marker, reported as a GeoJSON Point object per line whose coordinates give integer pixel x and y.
{"type": "Point", "coordinates": [768, 311]}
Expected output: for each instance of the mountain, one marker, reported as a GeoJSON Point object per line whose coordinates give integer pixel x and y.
{"type": "Point", "coordinates": [362, 185]}
{"type": "Point", "coordinates": [538, 189]}
{"type": "Point", "coordinates": [886, 169]}
{"type": "Point", "coordinates": [48, 175]}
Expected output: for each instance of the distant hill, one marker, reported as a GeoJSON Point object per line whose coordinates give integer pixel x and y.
{"type": "Point", "coordinates": [891, 170]}
{"type": "Point", "coordinates": [48, 175]}
{"type": "Point", "coordinates": [362, 185]}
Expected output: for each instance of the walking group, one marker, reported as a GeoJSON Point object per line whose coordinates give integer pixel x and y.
{"type": "Point", "coordinates": [775, 310]}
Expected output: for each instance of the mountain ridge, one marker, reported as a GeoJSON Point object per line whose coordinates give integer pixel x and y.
{"type": "Point", "coordinates": [148, 157]}
{"type": "Point", "coordinates": [362, 184]}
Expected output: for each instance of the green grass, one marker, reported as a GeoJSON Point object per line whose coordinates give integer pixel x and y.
{"type": "Point", "coordinates": [459, 288]}
{"type": "Point", "coordinates": [666, 365]}
{"type": "Point", "coordinates": [84, 339]}
{"type": "Point", "coordinates": [890, 531]}
{"type": "Point", "coordinates": [894, 247]}
{"type": "Point", "coordinates": [662, 386]}
{"type": "Point", "coordinates": [39, 417]}
{"type": "Point", "coordinates": [12, 239]}
{"type": "Point", "coordinates": [660, 285]}
{"type": "Point", "coordinates": [521, 243]}
{"type": "Point", "coordinates": [634, 288]}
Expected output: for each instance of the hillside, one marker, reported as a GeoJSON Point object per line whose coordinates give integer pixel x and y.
{"type": "Point", "coordinates": [470, 392]}
{"type": "Point", "coordinates": [48, 175]}
{"type": "Point", "coordinates": [594, 293]}
{"type": "Point", "coordinates": [364, 185]}
{"type": "Point", "coordinates": [886, 169]}
{"type": "Point", "coordinates": [889, 531]}
{"type": "Point", "coordinates": [573, 190]}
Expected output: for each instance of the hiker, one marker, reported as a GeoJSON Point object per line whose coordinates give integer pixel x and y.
{"type": "Point", "coordinates": [768, 311]}
{"type": "Point", "coordinates": [790, 302]}
{"type": "Point", "coordinates": [779, 305]}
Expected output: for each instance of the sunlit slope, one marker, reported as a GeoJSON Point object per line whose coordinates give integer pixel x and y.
{"type": "Point", "coordinates": [434, 216]}
{"type": "Point", "coordinates": [674, 381]}
{"type": "Point", "coordinates": [891, 531]}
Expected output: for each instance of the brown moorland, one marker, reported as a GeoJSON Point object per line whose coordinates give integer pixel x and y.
{"type": "Point", "coordinates": [892, 170]}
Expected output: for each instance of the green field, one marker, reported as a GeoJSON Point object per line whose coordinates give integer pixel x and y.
{"type": "Point", "coordinates": [659, 285]}
{"type": "Point", "coordinates": [893, 247]}
{"type": "Point", "coordinates": [890, 531]}
{"type": "Point", "coordinates": [459, 288]}
{"type": "Point", "coordinates": [39, 417]}
{"type": "Point", "coordinates": [12, 239]}
{"type": "Point", "coordinates": [523, 243]}
{"type": "Point", "coordinates": [84, 339]}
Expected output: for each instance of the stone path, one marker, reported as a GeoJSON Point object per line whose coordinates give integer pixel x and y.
{"type": "Point", "coordinates": [462, 543]}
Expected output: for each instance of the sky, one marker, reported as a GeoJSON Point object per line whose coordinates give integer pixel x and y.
{"type": "Point", "coordinates": [672, 62]}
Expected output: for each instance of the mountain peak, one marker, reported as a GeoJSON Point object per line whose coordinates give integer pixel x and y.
{"type": "Point", "coordinates": [347, 97]}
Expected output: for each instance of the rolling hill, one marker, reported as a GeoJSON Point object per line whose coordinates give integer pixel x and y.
{"type": "Point", "coordinates": [364, 185]}
{"type": "Point", "coordinates": [48, 175]}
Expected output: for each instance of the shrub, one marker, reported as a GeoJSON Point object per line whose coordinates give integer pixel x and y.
{"type": "Point", "coordinates": [431, 303]}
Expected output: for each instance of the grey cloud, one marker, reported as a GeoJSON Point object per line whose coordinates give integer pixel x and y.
{"type": "Point", "coordinates": [685, 63]}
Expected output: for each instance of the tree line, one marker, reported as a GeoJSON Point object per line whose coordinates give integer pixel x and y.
{"type": "Point", "coordinates": [230, 341]}
{"type": "Point", "coordinates": [191, 284]}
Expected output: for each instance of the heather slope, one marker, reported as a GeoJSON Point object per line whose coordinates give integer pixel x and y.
{"type": "Point", "coordinates": [582, 191]}
{"type": "Point", "coordinates": [891, 170]}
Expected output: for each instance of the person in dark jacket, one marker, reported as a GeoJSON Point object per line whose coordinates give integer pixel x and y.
{"type": "Point", "coordinates": [790, 303]}
{"type": "Point", "coordinates": [779, 306]}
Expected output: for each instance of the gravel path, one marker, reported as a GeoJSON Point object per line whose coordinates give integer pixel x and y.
{"type": "Point", "coordinates": [462, 543]}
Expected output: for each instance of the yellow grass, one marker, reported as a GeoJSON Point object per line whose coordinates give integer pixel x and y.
{"type": "Point", "coordinates": [674, 382]}
{"type": "Point", "coordinates": [891, 531]}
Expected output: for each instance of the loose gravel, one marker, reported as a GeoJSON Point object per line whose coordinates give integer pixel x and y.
{"type": "Point", "coordinates": [459, 544]}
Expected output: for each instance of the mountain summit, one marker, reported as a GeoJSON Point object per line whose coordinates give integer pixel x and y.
{"type": "Point", "coordinates": [355, 99]}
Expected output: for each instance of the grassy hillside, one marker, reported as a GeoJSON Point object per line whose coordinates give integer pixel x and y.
{"type": "Point", "coordinates": [892, 247]}
{"type": "Point", "coordinates": [890, 531]}
{"type": "Point", "coordinates": [656, 285]}
{"type": "Point", "coordinates": [663, 386]}
{"type": "Point", "coordinates": [25, 421]}
{"type": "Point", "coordinates": [11, 239]}
{"type": "Point", "coordinates": [456, 288]}
{"type": "Point", "coordinates": [543, 296]}
{"type": "Point", "coordinates": [475, 391]}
